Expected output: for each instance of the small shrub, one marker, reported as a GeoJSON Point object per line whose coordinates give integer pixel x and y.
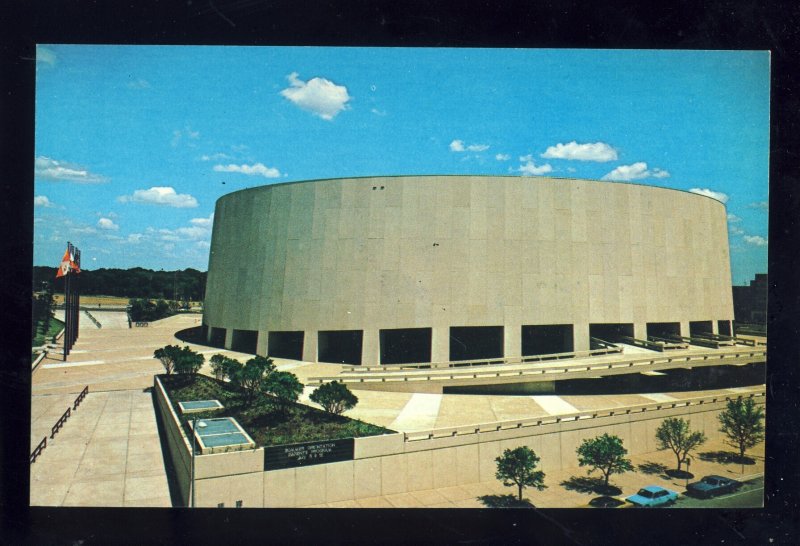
{"type": "Point", "coordinates": [252, 376]}
{"type": "Point", "coordinates": [168, 356]}
{"type": "Point", "coordinates": [285, 387]}
{"type": "Point", "coordinates": [335, 397]}
{"type": "Point", "coordinates": [224, 367]}
{"type": "Point", "coordinates": [188, 361]}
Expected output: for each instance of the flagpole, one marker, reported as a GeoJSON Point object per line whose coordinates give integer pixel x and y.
{"type": "Point", "coordinates": [67, 330]}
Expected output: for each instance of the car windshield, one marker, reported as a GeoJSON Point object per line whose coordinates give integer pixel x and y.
{"type": "Point", "coordinates": [645, 493]}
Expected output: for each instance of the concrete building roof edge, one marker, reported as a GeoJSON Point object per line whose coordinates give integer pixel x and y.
{"type": "Point", "coordinates": [560, 178]}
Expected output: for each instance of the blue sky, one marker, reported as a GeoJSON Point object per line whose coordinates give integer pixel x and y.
{"type": "Point", "coordinates": [134, 144]}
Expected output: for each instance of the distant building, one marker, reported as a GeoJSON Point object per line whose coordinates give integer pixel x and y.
{"type": "Point", "coordinates": [750, 302]}
{"type": "Point", "coordinates": [439, 268]}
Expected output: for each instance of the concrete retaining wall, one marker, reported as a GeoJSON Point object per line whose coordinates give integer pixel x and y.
{"type": "Point", "coordinates": [220, 477]}
{"type": "Point", "coordinates": [398, 463]}
{"type": "Point", "coordinates": [386, 465]}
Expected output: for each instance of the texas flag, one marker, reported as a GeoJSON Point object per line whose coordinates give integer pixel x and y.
{"type": "Point", "coordinates": [67, 265]}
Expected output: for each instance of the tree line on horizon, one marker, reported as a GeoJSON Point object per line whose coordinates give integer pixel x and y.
{"type": "Point", "coordinates": [187, 284]}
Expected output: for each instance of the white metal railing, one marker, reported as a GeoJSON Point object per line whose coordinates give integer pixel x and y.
{"type": "Point", "coordinates": [463, 430]}
{"type": "Point", "coordinates": [484, 361]}
{"type": "Point", "coordinates": [703, 359]}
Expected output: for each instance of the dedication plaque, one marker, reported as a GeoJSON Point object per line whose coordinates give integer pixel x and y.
{"type": "Point", "coordinates": [308, 453]}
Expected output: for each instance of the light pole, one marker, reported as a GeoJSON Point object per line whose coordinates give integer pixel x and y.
{"type": "Point", "coordinates": [195, 424]}
{"type": "Point", "coordinates": [688, 462]}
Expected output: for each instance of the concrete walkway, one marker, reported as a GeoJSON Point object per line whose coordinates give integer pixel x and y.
{"type": "Point", "coordinates": [107, 454]}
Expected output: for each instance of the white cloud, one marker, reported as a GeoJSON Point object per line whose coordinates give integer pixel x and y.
{"type": "Point", "coordinates": [319, 96]}
{"type": "Point", "coordinates": [732, 218]}
{"type": "Point", "coordinates": [636, 171]}
{"type": "Point", "coordinates": [571, 169]}
{"type": "Point", "coordinates": [203, 222]}
{"type": "Point", "coordinates": [107, 223]}
{"type": "Point", "coordinates": [530, 169]}
{"type": "Point", "coordinates": [597, 151]}
{"type": "Point", "coordinates": [135, 238]}
{"type": "Point", "coordinates": [378, 112]}
{"type": "Point", "coordinates": [42, 201]}
{"type": "Point", "coordinates": [756, 240]}
{"type": "Point", "coordinates": [762, 205]}
{"type": "Point", "coordinates": [502, 157]}
{"type": "Point", "coordinates": [51, 169]}
{"type": "Point", "coordinates": [256, 169]}
{"type": "Point", "coordinates": [525, 158]}
{"type": "Point", "coordinates": [45, 55]}
{"type": "Point", "coordinates": [458, 146]}
{"type": "Point", "coordinates": [160, 195]}
{"type": "Point", "coordinates": [177, 135]}
{"type": "Point", "coordinates": [735, 230]}
{"type": "Point", "coordinates": [139, 84]}
{"type": "Point", "coordinates": [718, 195]}
{"type": "Point", "coordinates": [214, 157]}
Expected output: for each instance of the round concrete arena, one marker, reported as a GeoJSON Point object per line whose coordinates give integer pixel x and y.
{"type": "Point", "coordinates": [441, 268]}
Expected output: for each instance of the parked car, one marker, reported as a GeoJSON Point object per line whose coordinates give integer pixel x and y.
{"type": "Point", "coordinates": [652, 495]}
{"type": "Point", "coordinates": [710, 486]}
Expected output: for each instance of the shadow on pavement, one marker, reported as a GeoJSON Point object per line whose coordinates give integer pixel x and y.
{"type": "Point", "coordinates": [651, 468]}
{"type": "Point", "coordinates": [606, 502]}
{"type": "Point", "coordinates": [585, 484]}
{"type": "Point", "coordinates": [725, 457]}
{"type": "Point", "coordinates": [679, 474]}
{"type": "Point", "coordinates": [193, 335]}
{"type": "Point", "coordinates": [174, 491]}
{"type": "Point", "coordinates": [504, 501]}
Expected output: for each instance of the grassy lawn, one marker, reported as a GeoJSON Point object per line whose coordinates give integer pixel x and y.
{"type": "Point", "coordinates": [41, 337]}
{"type": "Point", "coordinates": [262, 420]}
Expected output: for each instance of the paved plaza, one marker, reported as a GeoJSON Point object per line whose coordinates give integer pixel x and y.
{"type": "Point", "coordinates": [109, 454]}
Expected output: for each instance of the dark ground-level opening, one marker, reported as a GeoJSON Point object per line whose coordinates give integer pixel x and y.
{"type": "Point", "coordinates": [675, 380]}
{"type": "Point", "coordinates": [663, 329]}
{"type": "Point", "coordinates": [217, 338]}
{"type": "Point", "coordinates": [286, 345]}
{"type": "Point", "coordinates": [610, 332]}
{"type": "Point", "coordinates": [405, 345]}
{"type": "Point", "coordinates": [724, 327]}
{"type": "Point", "coordinates": [476, 342]}
{"type": "Point", "coordinates": [700, 327]}
{"type": "Point", "coordinates": [244, 341]}
{"type": "Point", "coordinates": [547, 339]}
{"type": "Point", "coordinates": [340, 346]}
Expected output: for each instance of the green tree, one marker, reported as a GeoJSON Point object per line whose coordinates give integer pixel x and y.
{"type": "Point", "coordinates": [285, 387]}
{"type": "Point", "coordinates": [168, 356]}
{"type": "Point", "coordinates": [335, 397]}
{"type": "Point", "coordinates": [224, 367]}
{"type": "Point", "coordinates": [518, 467]}
{"type": "Point", "coordinates": [251, 377]}
{"type": "Point", "coordinates": [606, 454]}
{"type": "Point", "coordinates": [674, 434]}
{"type": "Point", "coordinates": [742, 423]}
{"type": "Point", "coordinates": [188, 362]}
